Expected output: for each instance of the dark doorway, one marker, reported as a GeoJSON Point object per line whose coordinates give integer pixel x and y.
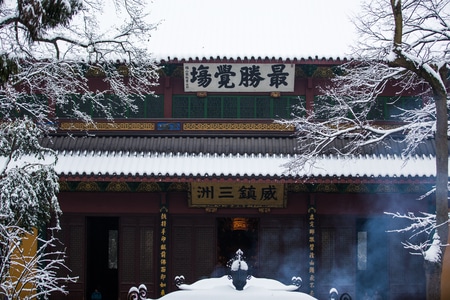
{"type": "Point", "coordinates": [102, 255]}
{"type": "Point", "coordinates": [234, 234]}
{"type": "Point", "coordinates": [372, 254]}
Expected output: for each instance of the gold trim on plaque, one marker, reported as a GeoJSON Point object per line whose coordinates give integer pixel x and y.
{"type": "Point", "coordinates": [248, 194]}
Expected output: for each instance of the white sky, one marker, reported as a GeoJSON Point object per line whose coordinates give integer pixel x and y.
{"type": "Point", "coordinates": [232, 28]}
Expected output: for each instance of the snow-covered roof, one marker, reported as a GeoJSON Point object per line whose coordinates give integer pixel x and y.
{"type": "Point", "coordinates": [156, 164]}
{"type": "Point", "coordinates": [285, 29]}
{"type": "Point", "coordinates": [188, 158]}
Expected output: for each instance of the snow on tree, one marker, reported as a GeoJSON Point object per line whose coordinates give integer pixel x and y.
{"type": "Point", "coordinates": [28, 182]}
{"type": "Point", "coordinates": [425, 225]}
{"type": "Point", "coordinates": [402, 45]}
{"type": "Point", "coordinates": [30, 272]}
{"type": "Point", "coordinates": [28, 189]}
{"type": "Point", "coordinates": [49, 48]}
{"type": "Point", "coordinates": [49, 52]}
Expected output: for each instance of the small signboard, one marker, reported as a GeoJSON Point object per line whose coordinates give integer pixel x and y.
{"type": "Point", "coordinates": [215, 194]}
{"type": "Point", "coordinates": [213, 77]}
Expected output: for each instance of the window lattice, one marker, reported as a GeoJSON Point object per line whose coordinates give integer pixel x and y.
{"type": "Point", "coordinates": [204, 255]}
{"type": "Point", "coordinates": [149, 107]}
{"type": "Point", "coordinates": [270, 249]}
{"type": "Point", "coordinates": [240, 107]}
{"type": "Point", "coordinates": [182, 252]}
{"type": "Point", "coordinates": [384, 108]}
{"type": "Point", "coordinates": [129, 240]}
{"type": "Point", "coordinates": [328, 249]}
{"type": "Point", "coordinates": [76, 247]}
{"type": "Point", "coordinates": [146, 263]}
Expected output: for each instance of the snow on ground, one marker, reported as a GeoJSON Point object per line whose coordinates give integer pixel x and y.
{"type": "Point", "coordinates": [223, 289]}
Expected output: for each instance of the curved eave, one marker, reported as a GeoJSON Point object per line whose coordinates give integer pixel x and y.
{"type": "Point", "coordinates": [258, 59]}
{"type": "Point", "coordinates": [242, 178]}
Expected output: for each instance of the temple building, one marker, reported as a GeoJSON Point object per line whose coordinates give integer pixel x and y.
{"type": "Point", "coordinates": [199, 172]}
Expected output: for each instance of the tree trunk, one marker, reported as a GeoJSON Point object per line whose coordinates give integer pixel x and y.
{"type": "Point", "coordinates": [433, 271]}
{"type": "Point", "coordinates": [433, 275]}
{"type": "Point", "coordinates": [441, 188]}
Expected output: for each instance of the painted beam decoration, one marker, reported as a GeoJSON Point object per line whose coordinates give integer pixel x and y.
{"type": "Point", "coordinates": [213, 77]}
{"type": "Point", "coordinates": [216, 194]}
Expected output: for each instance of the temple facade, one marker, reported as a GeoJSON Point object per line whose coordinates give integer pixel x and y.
{"type": "Point", "coordinates": [198, 172]}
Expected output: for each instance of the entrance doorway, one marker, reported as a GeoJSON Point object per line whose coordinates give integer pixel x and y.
{"type": "Point", "coordinates": [102, 256]}
{"type": "Point", "coordinates": [234, 234]}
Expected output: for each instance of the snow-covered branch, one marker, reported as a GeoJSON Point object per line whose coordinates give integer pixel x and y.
{"type": "Point", "coordinates": [48, 58]}
{"type": "Point", "coordinates": [72, 58]}
{"type": "Point", "coordinates": [350, 106]}
{"type": "Point", "coordinates": [395, 87]}
{"type": "Point", "coordinates": [346, 115]}
{"type": "Point", "coordinates": [32, 272]}
{"type": "Point", "coordinates": [423, 230]}
{"type": "Point", "coordinates": [28, 181]}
